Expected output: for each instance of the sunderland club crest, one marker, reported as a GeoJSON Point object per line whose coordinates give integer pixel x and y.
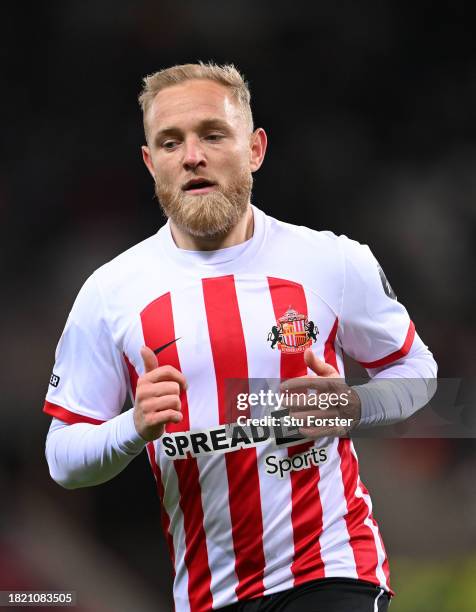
{"type": "Point", "coordinates": [293, 333]}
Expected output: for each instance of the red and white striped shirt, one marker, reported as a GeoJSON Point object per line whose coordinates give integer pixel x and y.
{"type": "Point", "coordinates": [236, 531]}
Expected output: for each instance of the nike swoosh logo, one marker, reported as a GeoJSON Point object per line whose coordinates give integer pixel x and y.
{"type": "Point", "coordinates": [164, 346]}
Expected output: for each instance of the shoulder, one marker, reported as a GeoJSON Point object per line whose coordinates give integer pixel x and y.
{"type": "Point", "coordinates": [118, 280]}
{"type": "Point", "coordinates": [128, 267]}
{"type": "Point", "coordinates": [324, 243]}
{"type": "Point", "coordinates": [130, 259]}
{"type": "Point", "coordinates": [278, 228]}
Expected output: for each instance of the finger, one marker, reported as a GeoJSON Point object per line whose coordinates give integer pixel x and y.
{"type": "Point", "coordinates": [319, 367]}
{"type": "Point", "coordinates": [149, 359]}
{"type": "Point", "coordinates": [323, 432]}
{"type": "Point", "coordinates": [163, 417]}
{"type": "Point", "coordinates": [317, 418]}
{"type": "Point", "coordinates": [309, 415]}
{"type": "Point", "coordinates": [170, 416]}
{"type": "Point", "coordinates": [166, 373]}
{"type": "Point", "coordinates": [150, 389]}
{"type": "Point", "coordinates": [169, 387]}
{"type": "Point", "coordinates": [303, 383]}
{"type": "Point", "coordinates": [153, 405]}
{"type": "Point", "coordinates": [320, 424]}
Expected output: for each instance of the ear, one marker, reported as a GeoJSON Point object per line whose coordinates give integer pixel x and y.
{"type": "Point", "coordinates": [148, 160]}
{"type": "Point", "coordinates": [258, 144]}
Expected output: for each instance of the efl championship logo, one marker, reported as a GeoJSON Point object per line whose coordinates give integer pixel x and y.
{"type": "Point", "coordinates": [293, 332]}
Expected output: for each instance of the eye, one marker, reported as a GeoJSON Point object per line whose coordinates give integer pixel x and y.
{"type": "Point", "coordinates": [169, 144]}
{"type": "Point", "coordinates": [214, 137]}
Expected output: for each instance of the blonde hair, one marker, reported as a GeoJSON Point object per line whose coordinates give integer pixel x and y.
{"type": "Point", "coordinates": [226, 75]}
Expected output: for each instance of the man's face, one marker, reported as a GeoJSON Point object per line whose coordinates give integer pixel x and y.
{"type": "Point", "coordinates": [200, 153]}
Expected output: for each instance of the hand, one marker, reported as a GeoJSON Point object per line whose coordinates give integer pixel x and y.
{"type": "Point", "coordinates": [157, 397]}
{"type": "Point", "coordinates": [334, 400]}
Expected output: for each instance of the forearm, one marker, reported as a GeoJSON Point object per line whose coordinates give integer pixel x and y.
{"type": "Point", "coordinates": [399, 390]}
{"type": "Point", "coordinates": [83, 455]}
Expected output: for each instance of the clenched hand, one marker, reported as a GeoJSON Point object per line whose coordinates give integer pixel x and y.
{"type": "Point", "coordinates": [157, 399]}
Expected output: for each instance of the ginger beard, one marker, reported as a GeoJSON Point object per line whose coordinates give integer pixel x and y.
{"type": "Point", "coordinates": [210, 215]}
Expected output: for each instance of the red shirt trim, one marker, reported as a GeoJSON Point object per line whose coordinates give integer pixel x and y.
{"type": "Point", "coordinates": [66, 415]}
{"type": "Point", "coordinates": [397, 354]}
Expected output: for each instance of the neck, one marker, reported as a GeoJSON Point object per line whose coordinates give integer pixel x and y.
{"type": "Point", "coordinates": [242, 231]}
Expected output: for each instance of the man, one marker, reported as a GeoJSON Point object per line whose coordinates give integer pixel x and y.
{"type": "Point", "coordinates": [256, 517]}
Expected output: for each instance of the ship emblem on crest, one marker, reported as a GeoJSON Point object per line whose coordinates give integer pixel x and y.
{"type": "Point", "coordinates": [293, 333]}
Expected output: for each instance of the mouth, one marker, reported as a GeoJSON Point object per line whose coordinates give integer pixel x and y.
{"type": "Point", "coordinates": [198, 186]}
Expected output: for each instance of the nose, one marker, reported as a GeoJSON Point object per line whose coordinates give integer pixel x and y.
{"type": "Point", "coordinates": [194, 155]}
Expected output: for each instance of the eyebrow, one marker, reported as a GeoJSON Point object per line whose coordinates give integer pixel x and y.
{"type": "Point", "coordinates": [202, 125]}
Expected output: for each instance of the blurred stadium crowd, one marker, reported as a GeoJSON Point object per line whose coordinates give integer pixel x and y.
{"type": "Point", "coordinates": [369, 109]}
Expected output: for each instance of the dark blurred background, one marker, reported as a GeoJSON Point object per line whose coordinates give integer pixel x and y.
{"type": "Point", "coordinates": [370, 111]}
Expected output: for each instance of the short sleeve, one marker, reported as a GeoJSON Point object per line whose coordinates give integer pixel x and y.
{"type": "Point", "coordinates": [375, 329]}
{"type": "Point", "coordinates": [88, 383]}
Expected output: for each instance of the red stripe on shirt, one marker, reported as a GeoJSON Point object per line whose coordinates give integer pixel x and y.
{"type": "Point", "coordinates": [406, 346]}
{"type": "Point", "coordinates": [160, 490]}
{"type": "Point", "coordinates": [230, 361]}
{"type": "Point", "coordinates": [385, 565]}
{"type": "Point", "coordinates": [361, 536]}
{"type": "Point", "coordinates": [306, 511]}
{"type": "Point", "coordinates": [329, 346]}
{"type": "Point", "coordinates": [67, 416]}
{"type": "Point", "coordinates": [133, 377]}
{"type": "Point", "coordinates": [158, 328]}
